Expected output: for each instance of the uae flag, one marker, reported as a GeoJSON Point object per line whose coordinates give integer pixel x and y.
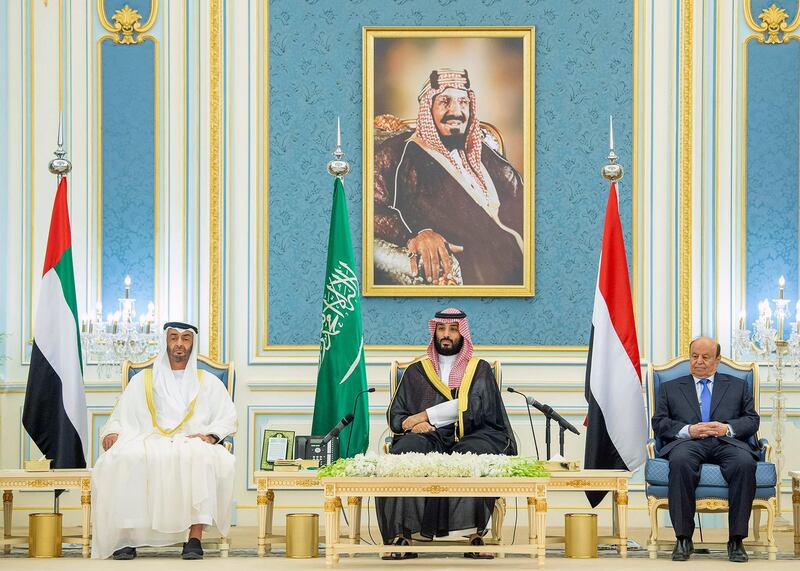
{"type": "Point", "coordinates": [55, 404]}
{"type": "Point", "coordinates": [616, 426]}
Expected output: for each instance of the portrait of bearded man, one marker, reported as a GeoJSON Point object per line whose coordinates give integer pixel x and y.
{"type": "Point", "coordinates": [446, 194]}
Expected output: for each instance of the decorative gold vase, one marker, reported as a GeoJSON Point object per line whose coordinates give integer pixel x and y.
{"type": "Point", "coordinates": [580, 532]}
{"type": "Point", "coordinates": [302, 536]}
{"type": "Point", "coordinates": [44, 535]}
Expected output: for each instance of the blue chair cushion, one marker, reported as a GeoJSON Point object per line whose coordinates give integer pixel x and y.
{"type": "Point", "coordinates": [712, 484]}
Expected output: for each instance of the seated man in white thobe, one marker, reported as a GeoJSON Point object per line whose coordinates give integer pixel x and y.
{"type": "Point", "coordinates": [162, 473]}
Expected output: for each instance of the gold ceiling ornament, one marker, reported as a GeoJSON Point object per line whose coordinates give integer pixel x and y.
{"type": "Point", "coordinates": [127, 28]}
{"type": "Point", "coordinates": [773, 28]}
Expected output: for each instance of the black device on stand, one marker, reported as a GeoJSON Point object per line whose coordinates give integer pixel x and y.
{"type": "Point", "coordinates": [312, 448]}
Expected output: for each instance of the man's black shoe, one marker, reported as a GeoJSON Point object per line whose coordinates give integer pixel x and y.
{"type": "Point", "coordinates": [124, 554]}
{"type": "Point", "coordinates": [683, 549]}
{"type": "Point", "coordinates": [192, 549]}
{"type": "Point", "coordinates": [736, 552]}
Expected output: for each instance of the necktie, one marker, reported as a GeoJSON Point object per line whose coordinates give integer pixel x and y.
{"type": "Point", "coordinates": [705, 401]}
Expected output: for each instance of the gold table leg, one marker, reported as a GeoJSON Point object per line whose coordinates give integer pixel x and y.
{"type": "Point", "coordinates": [354, 517]}
{"type": "Point", "coordinates": [331, 530]}
{"type": "Point", "coordinates": [8, 501]}
{"type": "Point", "coordinates": [621, 510]}
{"type": "Point", "coordinates": [264, 516]}
{"type": "Point", "coordinates": [796, 512]}
{"type": "Point", "coordinates": [532, 522]}
{"type": "Point", "coordinates": [86, 512]}
{"type": "Point", "coordinates": [541, 524]}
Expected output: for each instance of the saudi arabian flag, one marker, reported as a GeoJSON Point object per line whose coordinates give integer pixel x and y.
{"type": "Point", "coordinates": [342, 374]}
{"type": "Point", "coordinates": [55, 404]}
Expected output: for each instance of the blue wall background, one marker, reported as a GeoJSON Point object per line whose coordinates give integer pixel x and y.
{"type": "Point", "coordinates": [128, 155]}
{"type": "Point", "coordinates": [583, 73]}
{"type": "Point", "coordinates": [773, 114]}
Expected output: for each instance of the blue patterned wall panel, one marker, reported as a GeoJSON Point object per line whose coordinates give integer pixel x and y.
{"type": "Point", "coordinates": [583, 73]}
{"type": "Point", "coordinates": [129, 165]}
{"type": "Point", "coordinates": [773, 113]}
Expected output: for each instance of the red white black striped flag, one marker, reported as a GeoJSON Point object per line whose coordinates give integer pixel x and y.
{"type": "Point", "coordinates": [616, 425]}
{"type": "Point", "coordinates": [54, 413]}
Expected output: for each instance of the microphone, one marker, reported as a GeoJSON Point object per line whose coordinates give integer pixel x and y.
{"type": "Point", "coordinates": [530, 419]}
{"type": "Point", "coordinates": [355, 404]}
{"type": "Point", "coordinates": [548, 411]}
{"type": "Point", "coordinates": [336, 430]}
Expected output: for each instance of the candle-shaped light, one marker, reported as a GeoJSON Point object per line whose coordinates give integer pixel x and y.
{"type": "Point", "coordinates": [742, 316]}
{"type": "Point", "coordinates": [109, 318]}
{"type": "Point", "coordinates": [611, 132]}
{"type": "Point", "coordinates": [781, 285]}
{"type": "Point", "coordinates": [767, 313]}
{"type": "Point", "coordinates": [151, 311]}
{"type": "Point", "coordinates": [338, 133]}
{"type": "Point", "coordinates": [127, 287]}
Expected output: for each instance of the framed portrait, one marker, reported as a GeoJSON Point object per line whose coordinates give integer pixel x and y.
{"type": "Point", "coordinates": [448, 161]}
{"type": "Point", "coordinates": [277, 445]}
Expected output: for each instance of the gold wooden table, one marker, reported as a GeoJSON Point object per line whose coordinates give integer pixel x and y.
{"type": "Point", "coordinates": [615, 481]}
{"type": "Point", "coordinates": [266, 484]}
{"type": "Point", "coordinates": [534, 489]}
{"type": "Point", "coordinates": [11, 480]}
{"type": "Point", "coordinates": [796, 510]}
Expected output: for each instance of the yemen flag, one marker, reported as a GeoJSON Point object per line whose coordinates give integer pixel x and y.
{"type": "Point", "coordinates": [342, 376]}
{"type": "Point", "coordinates": [55, 404]}
{"type": "Point", "coordinates": [616, 432]}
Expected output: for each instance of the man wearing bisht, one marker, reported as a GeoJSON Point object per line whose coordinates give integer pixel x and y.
{"type": "Point", "coordinates": [163, 475]}
{"type": "Point", "coordinates": [447, 401]}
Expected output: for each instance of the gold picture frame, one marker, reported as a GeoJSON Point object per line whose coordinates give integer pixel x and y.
{"type": "Point", "coordinates": [484, 78]}
{"type": "Point", "coordinates": [288, 435]}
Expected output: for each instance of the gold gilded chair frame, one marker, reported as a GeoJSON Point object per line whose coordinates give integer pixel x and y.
{"type": "Point", "coordinates": [712, 505]}
{"type": "Point", "coordinates": [499, 511]}
{"type": "Point", "coordinates": [229, 366]}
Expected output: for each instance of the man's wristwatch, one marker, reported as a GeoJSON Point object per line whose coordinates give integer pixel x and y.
{"type": "Point", "coordinates": [729, 431]}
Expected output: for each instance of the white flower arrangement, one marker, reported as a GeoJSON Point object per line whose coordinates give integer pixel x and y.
{"type": "Point", "coordinates": [434, 465]}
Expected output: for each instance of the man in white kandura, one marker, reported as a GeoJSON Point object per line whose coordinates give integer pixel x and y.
{"type": "Point", "coordinates": [162, 472]}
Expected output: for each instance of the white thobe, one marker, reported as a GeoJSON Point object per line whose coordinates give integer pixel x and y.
{"type": "Point", "coordinates": [148, 488]}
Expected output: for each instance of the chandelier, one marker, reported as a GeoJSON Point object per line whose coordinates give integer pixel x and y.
{"type": "Point", "coordinates": [123, 335]}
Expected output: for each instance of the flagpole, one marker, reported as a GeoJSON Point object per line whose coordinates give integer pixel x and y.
{"type": "Point", "coordinates": [338, 167]}
{"type": "Point", "coordinates": [613, 171]}
{"type": "Point", "coordinates": [59, 166]}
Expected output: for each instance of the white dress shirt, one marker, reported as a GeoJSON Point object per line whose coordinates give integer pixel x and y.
{"type": "Point", "coordinates": [684, 433]}
{"type": "Point", "coordinates": [445, 413]}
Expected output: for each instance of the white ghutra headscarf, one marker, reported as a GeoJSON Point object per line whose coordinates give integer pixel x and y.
{"type": "Point", "coordinates": [173, 391]}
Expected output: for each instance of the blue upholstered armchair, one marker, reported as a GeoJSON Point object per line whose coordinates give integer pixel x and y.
{"type": "Point", "coordinates": [712, 491]}
{"type": "Point", "coordinates": [499, 512]}
{"type": "Point", "coordinates": [225, 373]}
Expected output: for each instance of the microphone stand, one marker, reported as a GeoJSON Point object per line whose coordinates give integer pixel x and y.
{"type": "Point", "coordinates": [561, 431]}
{"type": "Point", "coordinates": [547, 435]}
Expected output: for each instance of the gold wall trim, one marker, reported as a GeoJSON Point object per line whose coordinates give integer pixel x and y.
{"type": "Point", "coordinates": [264, 211]}
{"type": "Point", "coordinates": [126, 22]}
{"type": "Point", "coordinates": [773, 24]}
{"type": "Point", "coordinates": [215, 178]}
{"type": "Point", "coordinates": [685, 181]}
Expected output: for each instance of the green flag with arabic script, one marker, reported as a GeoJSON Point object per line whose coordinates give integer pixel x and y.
{"type": "Point", "coordinates": [342, 375]}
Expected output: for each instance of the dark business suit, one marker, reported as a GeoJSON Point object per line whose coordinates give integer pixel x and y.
{"type": "Point", "coordinates": [731, 403]}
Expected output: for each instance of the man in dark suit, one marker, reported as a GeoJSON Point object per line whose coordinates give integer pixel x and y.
{"type": "Point", "coordinates": [707, 417]}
